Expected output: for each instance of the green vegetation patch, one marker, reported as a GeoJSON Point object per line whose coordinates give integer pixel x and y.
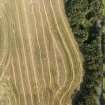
{"type": "Point", "coordinates": [87, 21]}
{"type": "Point", "coordinates": [104, 82]}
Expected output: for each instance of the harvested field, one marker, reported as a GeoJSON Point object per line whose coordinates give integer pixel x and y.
{"type": "Point", "coordinates": [40, 61]}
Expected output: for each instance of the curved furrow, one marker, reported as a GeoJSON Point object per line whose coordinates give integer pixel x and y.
{"type": "Point", "coordinates": [18, 58]}
{"type": "Point", "coordinates": [68, 54]}
{"type": "Point", "coordinates": [57, 48]}
{"type": "Point", "coordinates": [81, 66]}
{"type": "Point", "coordinates": [4, 45]}
{"type": "Point", "coordinates": [68, 30]}
{"type": "Point", "coordinates": [14, 77]}
{"type": "Point", "coordinates": [57, 68]}
{"type": "Point", "coordinates": [24, 54]}
{"type": "Point", "coordinates": [5, 69]}
{"type": "Point", "coordinates": [38, 47]}
{"type": "Point", "coordinates": [43, 30]}
{"type": "Point", "coordinates": [20, 72]}
{"type": "Point", "coordinates": [55, 42]}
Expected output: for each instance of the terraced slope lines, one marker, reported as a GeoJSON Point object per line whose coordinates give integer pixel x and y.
{"type": "Point", "coordinates": [40, 62]}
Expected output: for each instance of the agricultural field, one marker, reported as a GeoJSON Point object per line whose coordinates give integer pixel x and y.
{"type": "Point", "coordinates": [52, 52]}
{"type": "Point", "coordinates": [40, 60]}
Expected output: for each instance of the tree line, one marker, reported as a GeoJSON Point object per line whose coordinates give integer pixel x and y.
{"type": "Point", "coordinates": [88, 22]}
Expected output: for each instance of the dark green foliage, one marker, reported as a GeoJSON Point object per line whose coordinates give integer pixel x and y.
{"type": "Point", "coordinates": [82, 14]}
{"type": "Point", "coordinates": [103, 46]}
{"type": "Point", "coordinates": [87, 22]}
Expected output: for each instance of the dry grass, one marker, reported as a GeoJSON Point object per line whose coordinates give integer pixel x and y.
{"type": "Point", "coordinates": [42, 62]}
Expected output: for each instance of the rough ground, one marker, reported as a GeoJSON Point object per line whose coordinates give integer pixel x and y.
{"type": "Point", "coordinates": [40, 62]}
